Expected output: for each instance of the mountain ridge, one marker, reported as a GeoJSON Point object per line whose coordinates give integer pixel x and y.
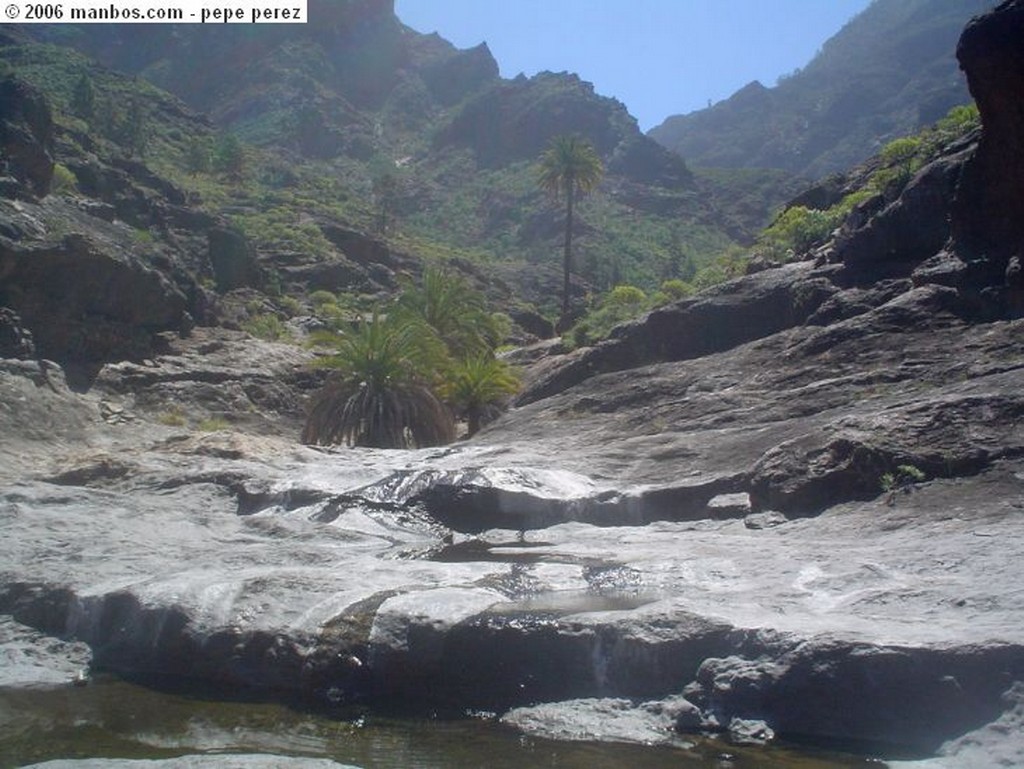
{"type": "Point", "coordinates": [888, 72]}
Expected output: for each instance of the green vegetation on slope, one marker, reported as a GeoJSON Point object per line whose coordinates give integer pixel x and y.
{"type": "Point", "coordinates": [402, 376]}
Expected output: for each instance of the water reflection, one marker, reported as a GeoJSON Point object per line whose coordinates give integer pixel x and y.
{"type": "Point", "coordinates": [111, 718]}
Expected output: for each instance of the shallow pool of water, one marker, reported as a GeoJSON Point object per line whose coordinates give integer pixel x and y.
{"type": "Point", "coordinates": [113, 719]}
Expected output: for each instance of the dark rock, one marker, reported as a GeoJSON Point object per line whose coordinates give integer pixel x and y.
{"type": "Point", "coordinates": [329, 275]}
{"type": "Point", "coordinates": [944, 269]}
{"type": "Point", "coordinates": [15, 340]}
{"type": "Point", "coordinates": [899, 696]}
{"type": "Point", "coordinates": [453, 79]}
{"type": "Point", "coordinates": [532, 323]}
{"type": "Point", "coordinates": [26, 135]}
{"type": "Point", "coordinates": [996, 744]}
{"type": "Point", "coordinates": [369, 253]}
{"type": "Point", "coordinates": [915, 226]}
{"type": "Point", "coordinates": [988, 218]}
{"type": "Point", "coordinates": [740, 311]}
{"type": "Point", "coordinates": [729, 505]}
{"type": "Point", "coordinates": [99, 209]}
{"type": "Point", "coordinates": [745, 731]}
{"type": "Point", "coordinates": [85, 304]}
{"type": "Point", "coordinates": [856, 301]}
{"type": "Point", "coordinates": [822, 195]}
{"type": "Point", "coordinates": [233, 260]}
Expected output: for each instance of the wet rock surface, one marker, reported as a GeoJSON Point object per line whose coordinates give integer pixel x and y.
{"type": "Point", "coordinates": [31, 659]}
{"type": "Point", "coordinates": [251, 561]}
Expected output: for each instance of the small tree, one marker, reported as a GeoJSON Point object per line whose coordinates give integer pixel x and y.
{"type": "Point", "coordinates": [83, 98]}
{"type": "Point", "coordinates": [197, 156]}
{"type": "Point", "coordinates": [135, 132]}
{"type": "Point", "coordinates": [477, 387]}
{"type": "Point", "coordinates": [386, 188]}
{"type": "Point", "coordinates": [569, 167]}
{"type": "Point", "coordinates": [229, 156]}
{"type": "Point", "coordinates": [379, 393]}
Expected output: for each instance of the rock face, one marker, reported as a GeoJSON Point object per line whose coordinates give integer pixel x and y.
{"type": "Point", "coordinates": [15, 340]}
{"type": "Point", "coordinates": [86, 304]}
{"type": "Point", "coordinates": [989, 221]}
{"type": "Point", "coordinates": [26, 136]}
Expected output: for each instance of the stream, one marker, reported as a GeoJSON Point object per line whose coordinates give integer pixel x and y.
{"type": "Point", "coordinates": [111, 718]}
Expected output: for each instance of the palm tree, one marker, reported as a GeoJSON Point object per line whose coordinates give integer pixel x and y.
{"type": "Point", "coordinates": [569, 167]}
{"type": "Point", "coordinates": [379, 393]}
{"type": "Point", "coordinates": [476, 388]}
{"type": "Point", "coordinates": [450, 306]}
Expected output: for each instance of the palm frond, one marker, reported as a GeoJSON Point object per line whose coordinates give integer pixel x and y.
{"type": "Point", "coordinates": [379, 392]}
{"type": "Point", "coordinates": [477, 387]}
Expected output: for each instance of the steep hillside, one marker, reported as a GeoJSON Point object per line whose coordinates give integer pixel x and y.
{"type": "Point", "coordinates": [888, 72]}
{"type": "Point", "coordinates": [357, 97]}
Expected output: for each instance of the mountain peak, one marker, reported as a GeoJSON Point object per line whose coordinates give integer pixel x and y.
{"type": "Point", "coordinates": [886, 73]}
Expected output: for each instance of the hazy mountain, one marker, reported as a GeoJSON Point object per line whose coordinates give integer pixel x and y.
{"type": "Point", "coordinates": [327, 108]}
{"type": "Point", "coordinates": [888, 72]}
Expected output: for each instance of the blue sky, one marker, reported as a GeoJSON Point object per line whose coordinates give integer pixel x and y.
{"type": "Point", "coordinates": [659, 57]}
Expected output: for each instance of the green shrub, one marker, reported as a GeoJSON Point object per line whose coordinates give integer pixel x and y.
{"type": "Point", "coordinates": [671, 291]}
{"type": "Point", "coordinates": [64, 180]}
{"type": "Point", "coordinates": [477, 387]}
{"type": "Point", "coordinates": [902, 150]}
{"type": "Point", "coordinates": [619, 305]}
{"type": "Point", "coordinates": [172, 417]}
{"type": "Point", "coordinates": [797, 230]}
{"type": "Point", "coordinates": [901, 480]}
{"type": "Point", "coordinates": [625, 296]}
{"type": "Point", "coordinates": [320, 298]}
{"type": "Point", "coordinates": [266, 326]}
{"type": "Point", "coordinates": [213, 424]}
{"type": "Point", "coordinates": [380, 393]}
{"type": "Point", "coordinates": [959, 120]}
{"type": "Point", "coordinates": [290, 305]}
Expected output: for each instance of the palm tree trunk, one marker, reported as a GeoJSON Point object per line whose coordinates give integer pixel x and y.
{"type": "Point", "coordinates": [474, 420]}
{"type": "Point", "coordinates": [567, 255]}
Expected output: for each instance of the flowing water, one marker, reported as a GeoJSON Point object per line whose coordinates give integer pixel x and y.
{"type": "Point", "coordinates": [111, 718]}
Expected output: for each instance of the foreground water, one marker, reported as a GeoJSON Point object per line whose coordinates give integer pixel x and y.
{"type": "Point", "coordinates": [110, 718]}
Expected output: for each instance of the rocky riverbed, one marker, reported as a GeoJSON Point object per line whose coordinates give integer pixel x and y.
{"type": "Point", "coordinates": [621, 574]}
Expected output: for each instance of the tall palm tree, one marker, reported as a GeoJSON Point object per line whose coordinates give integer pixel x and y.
{"type": "Point", "coordinates": [569, 167]}
{"type": "Point", "coordinates": [380, 390]}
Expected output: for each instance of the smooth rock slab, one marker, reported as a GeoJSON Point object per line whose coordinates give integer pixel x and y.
{"type": "Point", "coordinates": [609, 719]}
{"type": "Point", "coordinates": [30, 659]}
